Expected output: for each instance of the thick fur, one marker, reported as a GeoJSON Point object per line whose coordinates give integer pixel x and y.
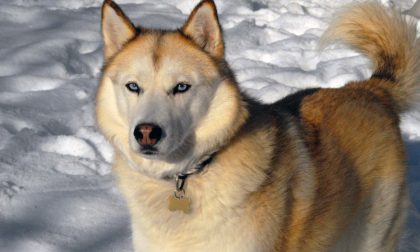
{"type": "Point", "coordinates": [392, 46]}
{"type": "Point", "coordinates": [320, 170]}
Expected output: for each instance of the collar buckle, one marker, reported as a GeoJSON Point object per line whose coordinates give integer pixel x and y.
{"type": "Point", "coordinates": [180, 182]}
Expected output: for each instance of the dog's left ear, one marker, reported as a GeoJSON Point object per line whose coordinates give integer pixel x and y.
{"type": "Point", "coordinates": [204, 29]}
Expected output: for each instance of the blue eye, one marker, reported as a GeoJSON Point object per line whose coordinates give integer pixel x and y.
{"type": "Point", "coordinates": [133, 87]}
{"type": "Point", "coordinates": [181, 88]}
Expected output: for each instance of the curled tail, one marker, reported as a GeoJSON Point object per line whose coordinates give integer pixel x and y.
{"type": "Point", "coordinates": [390, 42]}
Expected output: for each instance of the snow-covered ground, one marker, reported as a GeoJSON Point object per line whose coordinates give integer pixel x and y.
{"type": "Point", "coordinates": [56, 190]}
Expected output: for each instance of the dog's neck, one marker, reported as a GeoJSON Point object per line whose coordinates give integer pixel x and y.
{"type": "Point", "coordinates": [199, 167]}
{"type": "Point", "coordinates": [196, 168]}
{"type": "Point", "coordinates": [179, 201]}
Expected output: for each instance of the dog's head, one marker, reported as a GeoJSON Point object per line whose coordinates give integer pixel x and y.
{"type": "Point", "coordinates": [166, 97]}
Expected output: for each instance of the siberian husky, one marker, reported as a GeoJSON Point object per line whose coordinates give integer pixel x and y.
{"type": "Point", "coordinates": [203, 167]}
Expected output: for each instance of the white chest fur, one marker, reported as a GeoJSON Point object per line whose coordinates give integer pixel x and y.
{"type": "Point", "coordinates": [219, 219]}
{"type": "Point", "coordinates": [222, 231]}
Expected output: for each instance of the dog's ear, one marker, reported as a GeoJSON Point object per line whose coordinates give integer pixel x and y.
{"type": "Point", "coordinates": [117, 29]}
{"type": "Point", "coordinates": [204, 29]}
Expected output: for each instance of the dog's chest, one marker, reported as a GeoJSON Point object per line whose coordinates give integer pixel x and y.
{"type": "Point", "coordinates": [204, 234]}
{"type": "Point", "coordinates": [222, 218]}
{"type": "Point", "coordinates": [209, 227]}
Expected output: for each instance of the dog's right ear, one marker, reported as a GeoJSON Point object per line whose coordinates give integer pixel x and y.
{"type": "Point", "coordinates": [117, 29]}
{"type": "Point", "coordinates": [204, 29]}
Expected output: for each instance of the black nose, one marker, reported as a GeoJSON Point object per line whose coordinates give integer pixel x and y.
{"type": "Point", "coordinates": [147, 134]}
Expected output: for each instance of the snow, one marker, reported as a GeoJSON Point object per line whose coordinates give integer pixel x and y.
{"type": "Point", "coordinates": [56, 188]}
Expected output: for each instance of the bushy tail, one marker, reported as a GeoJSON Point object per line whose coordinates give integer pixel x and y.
{"type": "Point", "coordinates": [389, 40]}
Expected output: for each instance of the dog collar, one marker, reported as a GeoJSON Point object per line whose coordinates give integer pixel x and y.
{"type": "Point", "coordinates": [179, 201]}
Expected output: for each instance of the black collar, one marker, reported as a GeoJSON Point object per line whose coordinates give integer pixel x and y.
{"type": "Point", "coordinates": [180, 178]}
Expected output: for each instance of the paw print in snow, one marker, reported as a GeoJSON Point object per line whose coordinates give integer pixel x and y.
{"type": "Point", "coordinates": [9, 189]}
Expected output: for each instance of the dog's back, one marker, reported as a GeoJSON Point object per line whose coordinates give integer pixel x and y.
{"type": "Point", "coordinates": [354, 138]}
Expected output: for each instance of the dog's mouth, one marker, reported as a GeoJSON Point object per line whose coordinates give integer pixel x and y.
{"type": "Point", "coordinates": [148, 150]}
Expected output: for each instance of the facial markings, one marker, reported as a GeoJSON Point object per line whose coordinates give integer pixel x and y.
{"type": "Point", "coordinates": [156, 55]}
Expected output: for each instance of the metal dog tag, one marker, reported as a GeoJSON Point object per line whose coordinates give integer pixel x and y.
{"type": "Point", "coordinates": [179, 203]}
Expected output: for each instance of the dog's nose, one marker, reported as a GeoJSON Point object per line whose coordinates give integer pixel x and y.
{"type": "Point", "coordinates": [147, 134]}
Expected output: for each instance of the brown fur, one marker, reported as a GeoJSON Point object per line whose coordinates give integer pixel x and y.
{"type": "Point", "coordinates": [316, 171]}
